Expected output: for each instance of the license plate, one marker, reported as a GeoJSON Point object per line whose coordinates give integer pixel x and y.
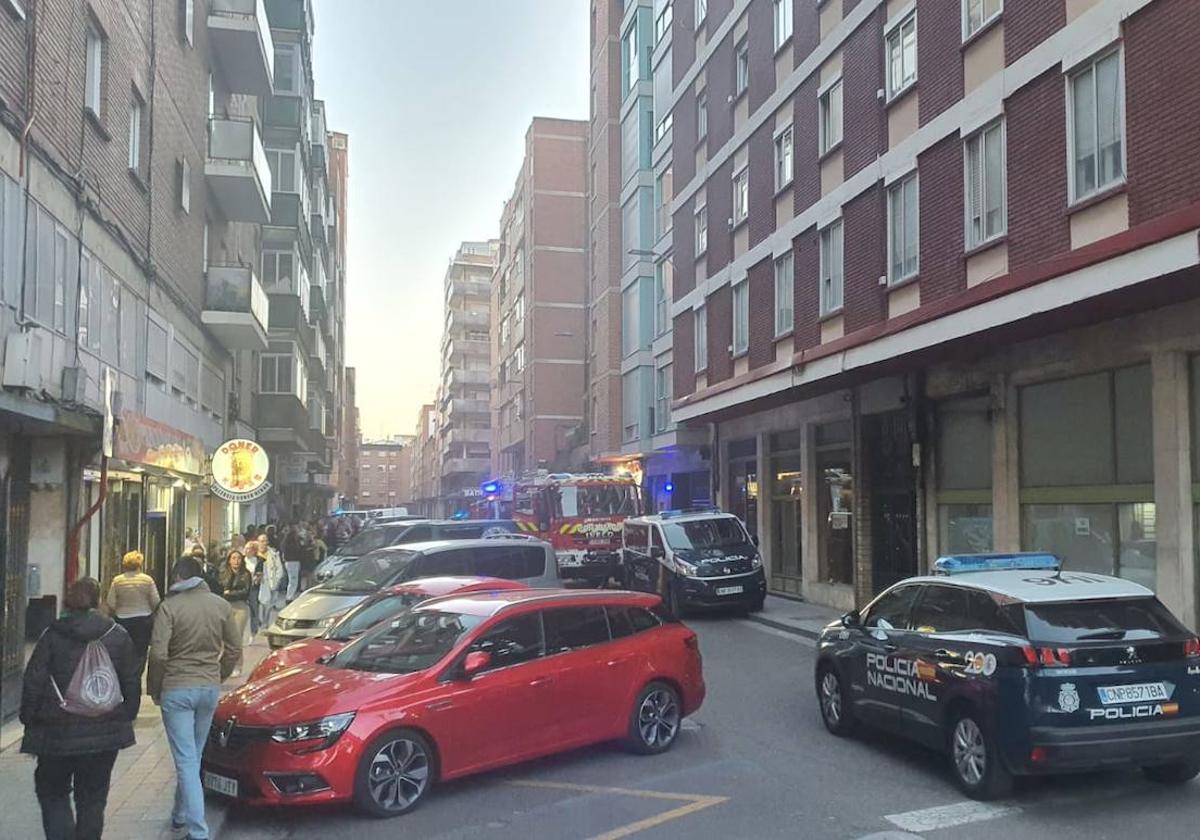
{"type": "Point", "coordinates": [221, 784]}
{"type": "Point", "coordinates": [1113, 695]}
{"type": "Point", "coordinates": [730, 590]}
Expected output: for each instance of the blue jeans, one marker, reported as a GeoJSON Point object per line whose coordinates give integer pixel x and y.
{"type": "Point", "coordinates": [187, 716]}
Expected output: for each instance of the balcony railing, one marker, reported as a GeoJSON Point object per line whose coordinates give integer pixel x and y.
{"type": "Point", "coordinates": [237, 170]}
{"type": "Point", "coordinates": [283, 111]}
{"type": "Point", "coordinates": [236, 309]}
{"type": "Point", "coordinates": [289, 213]}
{"type": "Point", "coordinates": [240, 36]}
{"type": "Point", "coordinates": [292, 15]}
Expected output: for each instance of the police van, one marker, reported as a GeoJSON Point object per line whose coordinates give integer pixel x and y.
{"type": "Point", "coordinates": [701, 558]}
{"type": "Point", "coordinates": [1013, 666]}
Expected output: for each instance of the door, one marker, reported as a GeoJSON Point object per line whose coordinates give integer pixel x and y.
{"type": "Point", "coordinates": [14, 554]}
{"type": "Point", "coordinates": [504, 713]}
{"type": "Point", "coordinates": [876, 678]}
{"type": "Point", "coordinates": [888, 459]}
{"type": "Point", "coordinates": [936, 651]}
{"type": "Point", "coordinates": [636, 556]}
{"type": "Point", "coordinates": [577, 648]}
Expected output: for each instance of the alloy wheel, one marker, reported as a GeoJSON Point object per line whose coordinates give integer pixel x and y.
{"type": "Point", "coordinates": [970, 751]}
{"type": "Point", "coordinates": [658, 718]}
{"type": "Point", "coordinates": [399, 774]}
{"type": "Point", "coordinates": [831, 698]}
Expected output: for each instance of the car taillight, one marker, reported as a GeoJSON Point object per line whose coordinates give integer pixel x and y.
{"type": "Point", "coordinates": [1047, 657]}
{"type": "Point", "coordinates": [1191, 648]}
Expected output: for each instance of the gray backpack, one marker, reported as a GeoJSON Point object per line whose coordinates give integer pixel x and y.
{"type": "Point", "coordinates": [94, 689]}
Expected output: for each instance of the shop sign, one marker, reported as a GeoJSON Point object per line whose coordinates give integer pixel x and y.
{"type": "Point", "coordinates": [140, 440]}
{"type": "Point", "coordinates": [239, 471]}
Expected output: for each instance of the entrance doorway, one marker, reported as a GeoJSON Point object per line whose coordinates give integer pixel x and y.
{"type": "Point", "coordinates": [892, 484]}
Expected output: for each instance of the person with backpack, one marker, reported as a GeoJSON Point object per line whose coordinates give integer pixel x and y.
{"type": "Point", "coordinates": [194, 647]}
{"type": "Point", "coordinates": [80, 696]}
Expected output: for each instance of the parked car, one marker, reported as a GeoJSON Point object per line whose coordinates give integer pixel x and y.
{"type": "Point", "coordinates": [319, 608]}
{"type": "Point", "coordinates": [409, 530]}
{"type": "Point", "coordinates": [382, 606]}
{"type": "Point", "coordinates": [1012, 666]}
{"type": "Point", "coordinates": [456, 686]}
{"type": "Point", "coordinates": [693, 559]}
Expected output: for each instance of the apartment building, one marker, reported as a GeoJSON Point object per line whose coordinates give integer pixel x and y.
{"type": "Point", "coordinates": [935, 281]}
{"type": "Point", "coordinates": [538, 306]}
{"type": "Point", "coordinates": [465, 394]}
{"type": "Point", "coordinates": [630, 266]}
{"type": "Point", "coordinates": [425, 466]}
{"type": "Point", "coordinates": [385, 472]}
{"type": "Point", "coordinates": [351, 434]}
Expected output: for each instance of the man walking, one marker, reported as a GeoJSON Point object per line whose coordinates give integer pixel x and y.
{"type": "Point", "coordinates": [194, 646]}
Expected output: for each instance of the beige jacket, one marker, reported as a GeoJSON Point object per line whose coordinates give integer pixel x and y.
{"type": "Point", "coordinates": [195, 641]}
{"type": "Point", "coordinates": [132, 594]}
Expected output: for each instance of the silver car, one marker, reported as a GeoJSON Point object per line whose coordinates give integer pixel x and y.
{"type": "Point", "coordinates": [531, 562]}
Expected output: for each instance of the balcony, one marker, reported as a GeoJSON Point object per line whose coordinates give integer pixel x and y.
{"type": "Point", "coordinates": [236, 309]}
{"type": "Point", "coordinates": [291, 15]}
{"type": "Point", "coordinates": [237, 171]}
{"type": "Point", "coordinates": [467, 319]}
{"type": "Point", "coordinates": [458, 376]}
{"type": "Point", "coordinates": [240, 36]}
{"type": "Point", "coordinates": [462, 409]}
{"type": "Point", "coordinates": [458, 466]}
{"type": "Point", "coordinates": [284, 112]}
{"type": "Point", "coordinates": [459, 288]}
{"type": "Point", "coordinates": [288, 312]}
{"type": "Point", "coordinates": [461, 347]}
{"type": "Point", "coordinates": [288, 224]}
{"type": "Point", "coordinates": [320, 136]}
{"type": "Point", "coordinates": [319, 360]}
{"type": "Point", "coordinates": [460, 437]}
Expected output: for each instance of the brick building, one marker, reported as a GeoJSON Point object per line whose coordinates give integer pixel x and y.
{"type": "Point", "coordinates": [936, 280]}
{"type": "Point", "coordinates": [425, 466]}
{"type": "Point", "coordinates": [385, 472]}
{"type": "Point", "coordinates": [538, 304]}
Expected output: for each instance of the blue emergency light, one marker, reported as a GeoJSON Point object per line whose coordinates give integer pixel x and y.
{"type": "Point", "coordinates": [957, 564]}
{"type": "Point", "coordinates": [668, 487]}
{"type": "Point", "coordinates": [490, 488]}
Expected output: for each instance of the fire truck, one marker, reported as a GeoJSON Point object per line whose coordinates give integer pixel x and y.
{"type": "Point", "coordinates": [581, 515]}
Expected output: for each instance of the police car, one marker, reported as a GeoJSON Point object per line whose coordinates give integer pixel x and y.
{"type": "Point", "coordinates": [1013, 666]}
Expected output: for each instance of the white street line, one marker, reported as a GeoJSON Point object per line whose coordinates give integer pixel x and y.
{"type": "Point", "coordinates": [948, 816]}
{"type": "Point", "coordinates": [773, 631]}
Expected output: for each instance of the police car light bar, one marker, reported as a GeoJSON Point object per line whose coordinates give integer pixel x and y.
{"type": "Point", "coordinates": [675, 514]}
{"type": "Point", "coordinates": [1028, 561]}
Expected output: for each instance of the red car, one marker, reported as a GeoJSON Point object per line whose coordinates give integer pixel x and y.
{"type": "Point", "coordinates": [458, 685]}
{"type": "Point", "coordinates": [385, 605]}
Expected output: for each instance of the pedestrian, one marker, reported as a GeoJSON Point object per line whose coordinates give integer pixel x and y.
{"type": "Point", "coordinates": [193, 649]}
{"type": "Point", "coordinates": [76, 736]}
{"type": "Point", "coordinates": [253, 564]}
{"type": "Point", "coordinates": [132, 599]}
{"type": "Point", "coordinates": [208, 571]}
{"type": "Point", "coordinates": [235, 588]}
{"type": "Point", "coordinates": [272, 592]}
{"type": "Point", "coordinates": [293, 559]}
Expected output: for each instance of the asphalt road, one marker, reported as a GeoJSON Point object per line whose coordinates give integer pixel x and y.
{"type": "Point", "coordinates": [754, 763]}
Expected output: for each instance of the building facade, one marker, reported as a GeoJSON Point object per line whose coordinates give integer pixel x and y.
{"type": "Point", "coordinates": [351, 434]}
{"type": "Point", "coordinates": [631, 269]}
{"type": "Point", "coordinates": [936, 281]}
{"type": "Point", "coordinates": [385, 472]}
{"type": "Point", "coordinates": [538, 306]}
{"type": "Point", "coordinates": [465, 428]}
{"type": "Point", "coordinates": [425, 466]}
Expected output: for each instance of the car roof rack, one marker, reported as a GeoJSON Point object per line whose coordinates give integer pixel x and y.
{"type": "Point", "coordinates": [1029, 561]}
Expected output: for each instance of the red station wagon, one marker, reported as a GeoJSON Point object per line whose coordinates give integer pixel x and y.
{"type": "Point", "coordinates": [380, 607]}
{"type": "Point", "coordinates": [416, 700]}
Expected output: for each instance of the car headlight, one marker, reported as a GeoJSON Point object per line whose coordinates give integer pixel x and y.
{"type": "Point", "coordinates": [684, 567]}
{"type": "Point", "coordinates": [756, 561]}
{"type": "Point", "coordinates": [325, 731]}
{"type": "Point", "coordinates": [329, 621]}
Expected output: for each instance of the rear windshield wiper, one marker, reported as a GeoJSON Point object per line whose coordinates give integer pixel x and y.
{"type": "Point", "coordinates": [1109, 633]}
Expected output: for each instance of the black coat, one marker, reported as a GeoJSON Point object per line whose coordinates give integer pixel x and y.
{"type": "Point", "coordinates": [49, 730]}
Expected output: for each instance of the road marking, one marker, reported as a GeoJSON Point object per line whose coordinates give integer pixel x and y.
{"type": "Point", "coordinates": [781, 634]}
{"type": "Point", "coordinates": [948, 816]}
{"type": "Point", "coordinates": [693, 803]}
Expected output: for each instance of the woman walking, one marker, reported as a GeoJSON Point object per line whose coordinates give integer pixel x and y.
{"type": "Point", "coordinates": [132, 599]}
{"type": "Point", "coordinates": [253, 564]}
{"type": "Point", "coordinates": [272, 590]}
{"type": "Point", "coordinates": [76, 744]}
{"type": "Point", "coordinates": [235, 588]}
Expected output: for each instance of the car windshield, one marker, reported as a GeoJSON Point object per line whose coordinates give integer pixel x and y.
{"type": "Point", "coordinates": [410, 642]}
{"type": "Point", "coordinates": [369, 540]}
{"type": "Point", "coordinates": [372, 571]}
{"type": "Point", "coordinates": [720, 532]}
{"type": "Point", "coordinates": [369, 613]}
{"type": "Point", "coordinates": [598, 500]}
{"type": "Point", "coordinates": [1124, 619]}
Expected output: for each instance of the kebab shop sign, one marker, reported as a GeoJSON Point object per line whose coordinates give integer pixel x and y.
{"type": "Point", "coordinates": [239, 471]}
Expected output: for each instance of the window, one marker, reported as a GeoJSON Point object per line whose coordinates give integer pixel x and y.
{"type": "Point", "coordinates": [979, 13]}
{"type": "Point", "coordinates": [282, 163]}
{"type": "Point", "coordinates": [278, 268]}
{"type": "Point", "coordinates": [701, 230]}
{"type": "Point", "coordinates": [701, 11]}
{"type": "Point", "coordinates": [891, 611]}
{"type": "Point", "coordinates": [831, 117]}
{"type": "Point", "coordinates": [662, 23]}
{"type": "Point", "coordinates": [741, 317]}
{"type": "Point", "coordinates": [902, 56]}
{"type": "Point", "coordinates": [275, 374]}
{"type": "Point", "coordinates": [189, 21]}
{"type": "Point", "coordinates": [629, 55]}
{"type": "Point", "coordinates": [1096, 125]}
{"type": "Point", "coordinates": [741, 195]}
{"type": "Point", "coordinates": [701, 338]}
{"type": "Point", "coordinates": [630, 322]}
{"type": "Point", "coordinates": [783, 158]}
{"type": "Point", "coordinates": [783, 22]}
{"type": "Point", "coordinates": [661, 314]}
{"type": "Point", "coordinates": [831, 268]}
{"type": "Point", "coordinates": [964, 475]}
{"type": "Point", "coordinates": [904, 225]}
{"type": "Point", "coordinates": [662, 398]}
{"type": "Point", "coordinates": [741, 66]}
{"type": "Point", "coordinates": [572, 628]}
{"type": "Point", "coordinates": [628, 621]}
{"type": "Point", "coordinates": [286, 70]}
{"type": "Point", "coordinates": [185, 184]}
{"type": "Point", "coordinates": [984, 160]}
{"type": "Point", "coordinates": [94, 71]}
{"type": "Point", "coordinates": [135, 135]}
{"type": "Point", "coordinates": [509, 562]}
{"type": "Point", "coordinates": [512, 642]}
{"type": "Point", "coordinates": [701, 115]}
{"type": "Point", "coordinates": [784, 289]}
{"type": "Point", "coordinates": [942, 609]}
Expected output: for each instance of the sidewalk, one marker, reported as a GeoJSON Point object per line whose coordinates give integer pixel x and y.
{"type": "Point", "coordinates": [143, 784]}
{"type": "Point", "coordinates": [799, 617]}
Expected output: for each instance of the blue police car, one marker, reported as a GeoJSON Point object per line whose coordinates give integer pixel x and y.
{"type": "Point", "coordinates": [1013, 666]}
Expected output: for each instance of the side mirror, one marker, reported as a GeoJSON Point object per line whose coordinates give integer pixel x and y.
{"type": "Point", "coordinates": [851, 619]}
{"type": "Point", "coordinates": [476, 661]}
{"type": "Point", "coordinates": [657, 552]}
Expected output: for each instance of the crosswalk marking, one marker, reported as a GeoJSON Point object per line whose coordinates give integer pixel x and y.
{"type": "Point", "coordinates": [948, 816]}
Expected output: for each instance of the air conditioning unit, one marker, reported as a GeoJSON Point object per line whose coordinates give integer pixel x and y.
{"type": "Point", "coordinates": [74, 384]}
{"type": "Point", "coordinates": [23, 360]}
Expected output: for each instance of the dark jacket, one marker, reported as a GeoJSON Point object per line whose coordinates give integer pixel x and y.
{"type": "Point", "coordinates": [235, 586]}
{"type": "Point", "coordinates": [212, 576]}
{"type": "Point", "coordinates": [49, 730]}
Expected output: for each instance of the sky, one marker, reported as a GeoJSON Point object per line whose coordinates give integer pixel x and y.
{"type": "Point", "coordinates": [436, 96]}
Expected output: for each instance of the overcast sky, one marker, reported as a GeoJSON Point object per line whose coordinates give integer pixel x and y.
{"type": "Point", "coordinates": [436, 96]}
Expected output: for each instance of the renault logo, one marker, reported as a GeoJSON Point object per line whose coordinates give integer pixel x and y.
{"type": "Point", "coordinates": [226, 732]}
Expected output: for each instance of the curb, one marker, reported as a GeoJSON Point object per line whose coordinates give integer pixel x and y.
{"type": "Point", "coordinates": [787, 628]}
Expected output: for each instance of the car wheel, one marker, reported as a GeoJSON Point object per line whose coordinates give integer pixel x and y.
{"type": "Point", "coordinates": [1175, 773]}
{"type": "Point", "coordinates": [394, 774]}
{"type": "Point", "coordinates": [835, 706]}
{"type": "Point", "coordinates": [654, 724]}
{"type": "Point", "coordinates": [974, 760]}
